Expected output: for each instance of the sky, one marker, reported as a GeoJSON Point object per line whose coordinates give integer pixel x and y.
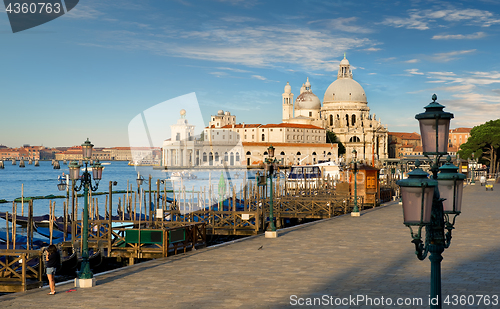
{"type": "Point", "coordinates": [90, 72]}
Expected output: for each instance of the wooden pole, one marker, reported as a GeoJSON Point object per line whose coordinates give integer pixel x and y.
{"type": "Point", "coordinates": [51, 222]}
{"type": "Point", "coordinates": [22, 199]}
{"type": "Point", "coordinates": [110, 220]}
{"type": "Point", "coordinates": [7, 229]}
{"type": "Point", "coordinates": [14, 225]}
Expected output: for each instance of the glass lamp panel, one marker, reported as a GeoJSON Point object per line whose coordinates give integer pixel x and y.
{"type": "Point", "coordinates": [97, 172]}
{"type": "Point", "coordinates": [459, 189]}
{"type": "Point", "coordinates": [446, 191]}
{"type": "Point", "coordinates": [428, 131]}
{"type": "Point", "coordinates": [412, 205]}
{"type": "Point", "coordinates": [271, 152]}
{"type": "Point", "coordinates": [87, 152]}
{"type": "Point", "coordinates": [61, 186]}
{"type": "Point", "coordinates": [74, 172]}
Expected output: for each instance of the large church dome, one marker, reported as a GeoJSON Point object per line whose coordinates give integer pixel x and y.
{"type": "Point", "coordinates": [344, 89]}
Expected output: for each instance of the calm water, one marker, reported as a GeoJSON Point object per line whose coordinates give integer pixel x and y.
{"type": "Point", "coordinates": [42, 181]}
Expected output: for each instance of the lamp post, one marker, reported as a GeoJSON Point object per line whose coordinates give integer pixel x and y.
{"type": "Point", "coordinates": [472, 180]}
{"type": "Point", "coordinates": [355, 210]}
{"type": "Point", "coordinates": [140, 180]}
{"type": "Point", "coordinates": [431, 202]}
{"type": "Point", "coordinates": [85, 277]}
{"type": "Point", "coordinates": [270, 167]}
{"type": "Point", "coordinates": [64, 185]}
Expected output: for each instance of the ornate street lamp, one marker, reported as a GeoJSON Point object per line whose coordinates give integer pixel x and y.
{"type": "Point", "coordinates": [355, 210]}
{"type": "Point", "coordinates": [85, 277]}
{"type": "Point", "coordinates": [472, 177]}
{"type": "Point", "coordinates": [270, 167]}
{"type": "Point", "coordinates": [429, 202]}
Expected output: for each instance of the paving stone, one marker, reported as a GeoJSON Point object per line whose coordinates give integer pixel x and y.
{"type": "Point", "coordinates": [371, 255]}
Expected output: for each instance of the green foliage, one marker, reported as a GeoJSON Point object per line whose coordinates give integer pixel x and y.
{"type": "Point", "coordinates": [332, 138]}
{"type": "Point", "coordinates": [484, 143]}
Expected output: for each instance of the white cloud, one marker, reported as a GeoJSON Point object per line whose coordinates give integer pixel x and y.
{"type": "Point", "coordinates": [372, 49]}
{"type": "Point", "coordinates": [83, 12]}
{"type": "Point", "coordinates": [424, 19]}
{"type": "Point", "coordinates": [445, 57]}
{"type": "Point", "coordinates": [414, 72]}
{"type": "Point", "coordinates": [412, 61]}
{"type": "Point", "coordinates": [259, 77]}
{"type": "Point", "coordinates": [251, 46]}
{"type": "Point", "coordinates": [472, 36]}
{"type": "Point", "coordinates": [344, 24]}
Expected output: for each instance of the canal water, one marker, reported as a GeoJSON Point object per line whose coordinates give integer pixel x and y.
{"type": "Point", "coordinates": [42, 181]}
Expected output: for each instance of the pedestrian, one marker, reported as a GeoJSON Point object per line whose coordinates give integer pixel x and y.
{"type": "Point", "coordinates": [52, 261]}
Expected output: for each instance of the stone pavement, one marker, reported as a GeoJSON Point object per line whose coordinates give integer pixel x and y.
{"type": "Point", "coordinates": [368, 256]}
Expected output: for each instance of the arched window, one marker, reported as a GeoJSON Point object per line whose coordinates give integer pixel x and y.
{"type": "Point", "coordinates": [249, 153]}
{"type": "Point", "coordinates": [226, 158]}
{"type": "Point", "coordinates": [331, 120]}
{"type": "Point", "coordinates": [263, 137]}
{"type": "Point", "coordinates": [237, 157]}
{"type": "Point", "coordinates": [231, 159]}
{"type": "Point", "coordinates": [314, 153]}
{"type": "Point", "coordinates": [353, 121]}
{"type": "Point", "coordinates": [204, 157]}
{"type": "Point", "coordinates": [298, 153]}
{"type": "Point", "coordinates": [282, 153]}
{"type": "Point", "coordinates": [211, 158]}
{"type": "Point", "coordinates": [265, 153]}
{"type": "Point", "coordinates": [347, 120]}
{"type": "Point", "coordinates": [329, 154]}
{"type": "Point", "coordinates": [354, 139]}
{"type": "Point", "coordinates": [216, 156]}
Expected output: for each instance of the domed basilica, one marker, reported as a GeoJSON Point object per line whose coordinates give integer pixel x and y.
{"type": "Point", "coordinates": [344, 111]}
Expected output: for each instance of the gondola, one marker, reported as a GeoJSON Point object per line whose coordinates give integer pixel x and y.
{"type": "Point", "coordinates": [23, 220]}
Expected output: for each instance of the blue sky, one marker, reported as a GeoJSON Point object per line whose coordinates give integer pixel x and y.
{"type": "Point", "coordinates": [91, 71]}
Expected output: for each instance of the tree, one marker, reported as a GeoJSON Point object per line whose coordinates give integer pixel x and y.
{"type": "Point", "coordinates": [484, 143]}
{"type": "Point", "coordinates": [332, 138]}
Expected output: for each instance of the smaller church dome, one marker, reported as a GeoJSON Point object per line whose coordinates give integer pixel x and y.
{"type": "Point", "coordinates": [307, 100]}
{"type": "Point", "coordinates": [220, 112]}
{"type": "Point", "coordinates": [344, 61]}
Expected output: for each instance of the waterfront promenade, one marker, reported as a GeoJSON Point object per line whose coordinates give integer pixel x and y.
{"type": "Point", "coordinates": [342, 257]}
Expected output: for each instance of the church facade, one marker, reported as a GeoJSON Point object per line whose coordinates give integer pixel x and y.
{"type": "Point", "coordinates": [344, 111]}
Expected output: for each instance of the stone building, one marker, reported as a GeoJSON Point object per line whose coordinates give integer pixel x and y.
{"type": "Point", "coordinates": [344, 111]}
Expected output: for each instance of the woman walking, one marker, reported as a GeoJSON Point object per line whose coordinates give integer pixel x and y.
{"type": "Point", "coordinates": [52, 261]}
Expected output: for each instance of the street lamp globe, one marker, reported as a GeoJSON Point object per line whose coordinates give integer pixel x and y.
{"type": "Point", "coordinates": [97, 170]}
{"type": "Point", "coordinates": [417, 192]}
{"type": "Point", "coordinates": [87, 150]}
{"type": "Point", "coordinates": [74, 170]}
{"type": "Point", "coordinates": [434, 128]}
{"type": "Point", "coordinates": [450, 185]}
{"type": "Point", "coordinates": [270, 151]}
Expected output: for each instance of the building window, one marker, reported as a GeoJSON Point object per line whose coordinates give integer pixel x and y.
{"type": "Point", "coordinates": [353, 122]}
{"type": "Point", "coordinates": [178, 137]}
{"type": "Point", "coordinates": [263, 137]}
{"type": "Point", "coordinates": [225, 157]}
{"type": "Point", "coordinates": [216, 156]}
{"type": "Point", "coordinates": [204, 157]}
{"type": "Point", "coordinates": [237, 157]}
{"type": "Point", "coordinates": [331, 120]}
{"type": "Point", "coordinates": [249, 153]}
{"type": "Point", "coordinates": [310, 114]}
